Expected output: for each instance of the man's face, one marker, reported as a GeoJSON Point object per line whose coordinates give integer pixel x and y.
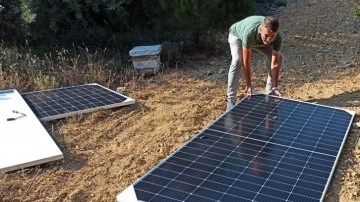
{"type": "Point", "coordinates": [267, 36]}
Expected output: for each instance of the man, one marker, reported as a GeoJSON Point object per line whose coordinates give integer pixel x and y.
{"type": "Point", "coordinates": [254, 33]}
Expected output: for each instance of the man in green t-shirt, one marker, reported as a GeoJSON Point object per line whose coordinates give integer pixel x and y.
{"type": "Point", "coordinates": [254, 33]}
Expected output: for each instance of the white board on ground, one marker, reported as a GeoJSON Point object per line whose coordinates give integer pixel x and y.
{"type": "Point", "coordinates": [24, 141]}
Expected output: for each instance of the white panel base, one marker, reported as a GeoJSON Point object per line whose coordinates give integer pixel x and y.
{"type": "Point", "coordinates": [128, 195]}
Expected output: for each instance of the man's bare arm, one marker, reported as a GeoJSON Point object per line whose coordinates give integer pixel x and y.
{"type": "Point", "coordinates": [275, 68]}
{"type": "Point", "coordinates": [246, 53]}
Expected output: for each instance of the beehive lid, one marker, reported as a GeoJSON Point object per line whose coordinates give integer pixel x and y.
{"type": "Point", "coordinates": [145, 50]}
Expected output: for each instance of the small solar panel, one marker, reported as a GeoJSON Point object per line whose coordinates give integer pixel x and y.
{"type": "Point", "coordinates": [264, 149]}
{"type": "Point", "coordinates": [62, 102]}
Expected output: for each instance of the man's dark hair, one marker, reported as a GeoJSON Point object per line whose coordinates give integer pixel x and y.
{"type": "Point", "coordinates": [272, 23]}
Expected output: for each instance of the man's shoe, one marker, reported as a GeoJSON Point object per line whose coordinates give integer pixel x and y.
{"type": "Point", "coordinates": [230, 103]}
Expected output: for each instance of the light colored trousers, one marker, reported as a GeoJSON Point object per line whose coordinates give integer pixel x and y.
{"type": "Point", "coordinates": [236, 66]}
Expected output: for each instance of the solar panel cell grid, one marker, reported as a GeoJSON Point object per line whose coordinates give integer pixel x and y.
{"type": "Point", "coordinates": [263, 149]}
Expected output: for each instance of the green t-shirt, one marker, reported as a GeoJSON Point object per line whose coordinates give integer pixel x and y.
{"type": "Point", "coordinates": [247, 30]}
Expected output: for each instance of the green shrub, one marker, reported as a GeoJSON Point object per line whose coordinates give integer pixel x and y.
{"type": "Point", "coordinates": [280, 3]}
{"type": "Point", "coordinates": [357, 11]}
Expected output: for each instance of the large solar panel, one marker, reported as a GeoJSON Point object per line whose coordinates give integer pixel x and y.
{"type": "Point", "coordinates": [62, 102]}
{"type": "Point", "coordinates": [264, 149]}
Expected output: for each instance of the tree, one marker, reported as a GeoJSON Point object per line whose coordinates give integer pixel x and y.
{"type": "Point", "coordinates": [10, 20]}
{"type": "Point", "coordinates": [64, 21]}
{"type": "Point", "coordinates": [196, 17]}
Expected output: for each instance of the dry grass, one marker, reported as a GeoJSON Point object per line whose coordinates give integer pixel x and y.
{"type": "Point", "coordinates": [26, 71]}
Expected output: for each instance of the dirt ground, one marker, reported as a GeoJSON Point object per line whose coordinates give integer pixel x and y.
{"type": "Point", "coordinates": [106, 151]}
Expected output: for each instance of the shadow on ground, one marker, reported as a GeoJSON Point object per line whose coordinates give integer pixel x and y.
{"type": "Point", "coordinates": [346, 99]}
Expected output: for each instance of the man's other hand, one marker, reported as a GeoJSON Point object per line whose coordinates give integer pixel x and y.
{"type": "Point", "coordinates": [248, 90]}
{"type": "Point", "coordinates": [276, 93]}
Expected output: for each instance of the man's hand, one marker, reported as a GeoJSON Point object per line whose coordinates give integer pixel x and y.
{"type": "Point", "coordinates": [276, 92]}
{"type": "Point", "coordinates": [248, 90]}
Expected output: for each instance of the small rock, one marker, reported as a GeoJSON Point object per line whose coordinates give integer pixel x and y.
{"type": "Point", "coordinates": [187, 137]}
{"type": "Point", "coordinates": [221, 71]}
{"type": "Point", "coordinates": [120, 89]}
{"type": "Point", "coordinates": [209, 73]}
{"type": "Point", "coordinates": [346, 63]}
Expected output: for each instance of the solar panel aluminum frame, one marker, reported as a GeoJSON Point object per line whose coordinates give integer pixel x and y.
{"type": "Point", "coordinates": [352, 113]}
{"type": "Point", "coordinates": [129, 193]}
{"type": "Point", "coordinates": [127, 101]}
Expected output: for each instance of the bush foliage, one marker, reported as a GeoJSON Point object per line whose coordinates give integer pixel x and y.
{"type": "Point", "coordinates": [118, 24]}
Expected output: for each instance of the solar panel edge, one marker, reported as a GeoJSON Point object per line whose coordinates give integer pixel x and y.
{"type": "Point", "coordinates": [338, 155]}
{"type": "Point", "coordinates": [66, 87]}
{"type": "Point", "coordinates": [307, 102]}
{"type": "Point", "coordinates": [128, 99]}
{"type": "Point", "coordinates": [72, 113]}
{"type": "Point", "coordinates": [7, 90]}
